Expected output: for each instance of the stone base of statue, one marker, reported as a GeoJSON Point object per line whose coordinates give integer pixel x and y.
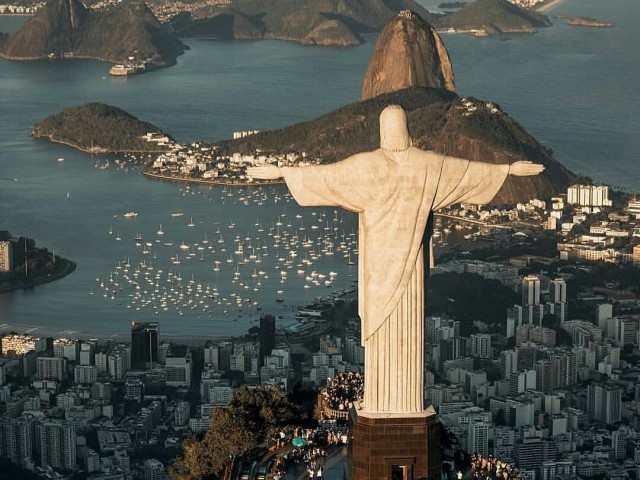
{"type": "Point", "coordinates": [394, 446]}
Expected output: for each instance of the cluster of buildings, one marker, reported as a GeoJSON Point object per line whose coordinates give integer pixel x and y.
{"type": "Point", "coordinates": [589, 226]}
{"type": "Point", "coordinates": [593, 229]}
{"type": "Point", "coordinates": [165, 11]}
{"type": "Point", "coordinates": [69, 406]}
{"type": "Point", "coordinates": [14, 9]}
{"type": "Point", "coordinates": [527, 3]}
{"type": "Point", "coordinates": [554, 396]}
{"type": "Point", "coordinates": [204, 162]}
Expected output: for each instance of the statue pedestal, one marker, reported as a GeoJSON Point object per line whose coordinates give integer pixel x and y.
{"type": "Point", "coordinates": [394, 446]}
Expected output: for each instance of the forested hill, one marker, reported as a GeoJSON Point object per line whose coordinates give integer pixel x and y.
{"type": "Point", "coordinates": [439, 120]}
{"type": "Point", "coordinates": [66, 29]}
{"type": "Point", "coordinates": [99, 128]}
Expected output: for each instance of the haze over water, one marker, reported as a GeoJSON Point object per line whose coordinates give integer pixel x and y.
{"type": "Point", "coordinates": [575, 89]}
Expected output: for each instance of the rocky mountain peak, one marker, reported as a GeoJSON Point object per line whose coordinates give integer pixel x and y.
{"type": "Point", "coordinates": [409, 53]}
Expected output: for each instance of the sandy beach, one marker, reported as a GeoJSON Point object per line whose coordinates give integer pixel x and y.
{"type": "Point", "coordinates": [546, 6]}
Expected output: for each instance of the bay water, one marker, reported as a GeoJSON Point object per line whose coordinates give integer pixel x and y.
{"type": "Point", "coordinates": [575, 89]}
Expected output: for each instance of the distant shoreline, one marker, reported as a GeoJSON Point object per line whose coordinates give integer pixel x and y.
{"type": "Point", "coordinates": [212, 181]}
{"type": "Point", "coordinates": [96, 150]}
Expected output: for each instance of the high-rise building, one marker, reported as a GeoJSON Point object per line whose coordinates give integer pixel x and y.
{"type": "Point", "coordinates": [565, 369]}
{"type": "Point", "coordinates": [353, 351]}
{"type": "Point", "coordinates": [181, 414]}
{"type": "Point", "coordinates": [558, 298]}
{"type": "Point", "coordinates": [604, 403]}
{"type": "Point", "coordinates": [267, 336]}
{"type": "Point", "coordinates": [116, 365]}
{"type": "Point", "coordinates": [588, 195]}
{"type": "Point", "coordinates": [530, 290]}
{"type": "Point", "coordinates": [85, 374]}
{"type": "Point", "coordinates": [604, 311]}
{"type": "Point", "coordinates": [545, 381]}
{"type": "Point", "coordinates": [508, 363]}
{"type": "Point", "coordinates": [68, 348]}
{"type": "Point", "coordinates": [178, 367]}
{"type": "Point", "coordinates": [56, 441]}
{"type": "Point", "coordinates": [481, 345]}
{"type": "Point", "coordinates": [211, 357]}
{"type": "Point", "coordinates": [50, 368]}
{"type": "Point", "coordinates": [478, 437]}
{"type": "Point", "coordinates": [6, 256]}
{"type": "Point", "coordinates": [626, 331]}
{"type": "Point", "coordinates": [438, 328]}
{"type": "Point", "coordinates": [16, 438]}
{"type": "Point", "coordinates": [145, 338]}
{"type": "Point", "coordinates": [87, 352]}
{"type": "Point", "coordinates": [558, 291]}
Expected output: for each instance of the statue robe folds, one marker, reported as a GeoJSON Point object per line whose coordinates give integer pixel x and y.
{"type": "Point", "coordinates": [393, 194]}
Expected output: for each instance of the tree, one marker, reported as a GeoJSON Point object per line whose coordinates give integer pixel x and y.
{"type": "Point", "coordinates": [206, 458]}
{"type": "Point", "coordinates": [263, 409]}
{"type": "Point", "coordinates": [251, 416]}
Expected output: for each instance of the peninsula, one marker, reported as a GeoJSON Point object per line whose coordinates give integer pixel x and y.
{"type": "Point", "coordinates": [127, 33]}
{"type": "Point", "coordinates": [22, 265]}
{"type": "Point", "coordinates": [492, 17]}
{"type": "Point", "coordinates": [100, 128]}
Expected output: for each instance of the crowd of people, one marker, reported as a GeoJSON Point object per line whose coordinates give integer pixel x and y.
{"type": "Point", "coordinates": [309, 448]}
{"type": "Point", "coordinates": [344, 389]}
{"type": "Point", "coordinates": [490, 468]}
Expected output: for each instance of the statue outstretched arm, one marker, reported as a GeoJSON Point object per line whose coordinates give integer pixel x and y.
{"type": "Point", "coordinates": [342, 184]}
{"type": "Point", "coordinates": [525, 168]}
{"type": "Point", "coordinates": [476, 182]}
{"type": "Point", "coordinates": [265, 172]}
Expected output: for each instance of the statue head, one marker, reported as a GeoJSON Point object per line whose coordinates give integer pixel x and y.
{"type": "Point", "coordinates": [394, 133]}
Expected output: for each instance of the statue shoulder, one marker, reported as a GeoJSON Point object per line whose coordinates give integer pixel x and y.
{"type": "Point", "coordinates": [425, 154]}
{"type": "Point", "coordinates": [364, 160]}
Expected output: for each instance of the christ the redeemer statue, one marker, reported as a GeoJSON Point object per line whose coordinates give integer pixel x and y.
{"type": "Point", "coordinates": [394, 189]}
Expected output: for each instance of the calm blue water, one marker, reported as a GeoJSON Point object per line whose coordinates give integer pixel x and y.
{"type": "Point", "coordinates": [575, 89]}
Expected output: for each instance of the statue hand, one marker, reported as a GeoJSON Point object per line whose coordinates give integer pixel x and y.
{"type": "Point", "coordinates": [264, 172]}
{"type": "Point", "coordinates": [525, 169]}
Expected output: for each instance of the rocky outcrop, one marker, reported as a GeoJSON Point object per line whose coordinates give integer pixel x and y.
{"type": "Point", "coordinates": [409, 53]}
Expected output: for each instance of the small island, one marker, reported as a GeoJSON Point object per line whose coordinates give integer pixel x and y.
{"type": "Point", "coordinates": [101, 128]}
{"type": "Point", "coordinates": [587, 22]}
{"type": "Point", "coordinates": [22, 265]}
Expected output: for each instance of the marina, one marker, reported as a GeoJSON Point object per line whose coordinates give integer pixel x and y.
{"type": "Point", "coordinates": [239, 274]}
